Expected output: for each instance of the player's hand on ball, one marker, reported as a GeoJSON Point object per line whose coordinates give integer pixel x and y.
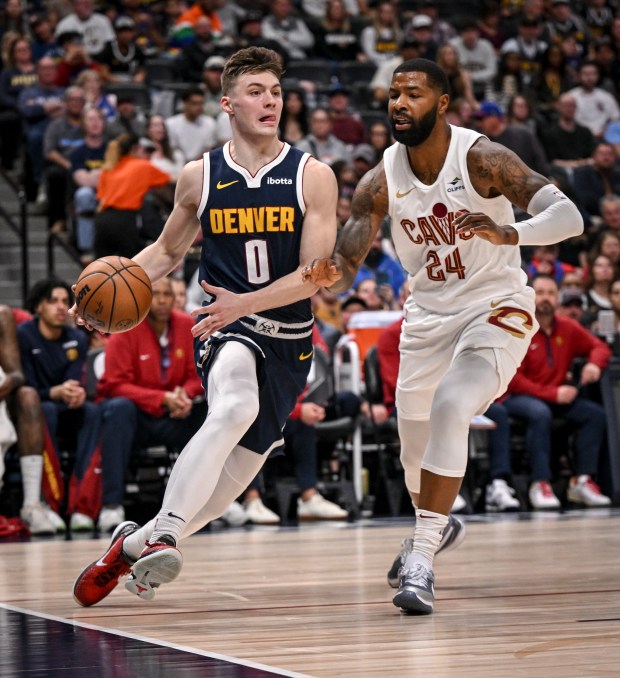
{"type": "Point", "coordinates": [226, 308]}
{"type": "Point", "coordinates": [321, 272]}
{"type": "Point", "coordinates": [484, 227]}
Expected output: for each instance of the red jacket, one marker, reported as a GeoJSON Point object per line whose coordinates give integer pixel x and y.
{"type": "Point", "coordinates": [133, 365]}
{"type": "Point", "coordinates": [548, 359]}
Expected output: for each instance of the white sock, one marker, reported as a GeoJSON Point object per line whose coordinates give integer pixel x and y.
{"type": "Point", "coordinates": [32, 469]}
{"type": "Point", "coordinates": [429, 527]}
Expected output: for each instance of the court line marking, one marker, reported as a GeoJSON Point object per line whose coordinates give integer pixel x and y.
{"type": "Point", "coordinates": [154, 641]}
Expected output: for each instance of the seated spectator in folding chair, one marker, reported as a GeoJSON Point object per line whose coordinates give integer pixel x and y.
{"type": "Point", "coordinates": [24, 411]}
{"type": "Point", "coordinates": [541, 390]}
{"type": "Point", "coordinates": [53, 356]}
{"type": "Point", "coordinates": [150, 395]}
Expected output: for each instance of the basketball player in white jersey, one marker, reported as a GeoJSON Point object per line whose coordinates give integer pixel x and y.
{"type": "Point", "coordinates": [265, 210]}
{"type": "Point", "coordinates": [470, 316]}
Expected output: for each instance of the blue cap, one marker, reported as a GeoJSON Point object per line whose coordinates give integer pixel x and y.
{"type": "Point", "coordinates": [488, 108]}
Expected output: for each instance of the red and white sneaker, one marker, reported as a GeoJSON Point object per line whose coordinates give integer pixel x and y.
{"type": "Point", "coordinates": [101, 577]}
{"type": "Point", "coordinates": [159, 563]}
{"type": "Point", "coordinates": [583, 490]}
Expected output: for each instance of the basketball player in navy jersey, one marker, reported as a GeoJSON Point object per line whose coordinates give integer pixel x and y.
{"type": "Point", "coordinates": [470, 315]}
{"type": "Point", "coordinates": [265, 211]}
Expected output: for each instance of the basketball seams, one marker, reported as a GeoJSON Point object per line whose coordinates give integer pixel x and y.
{"type": "Point", "coordinates": [121, 305]}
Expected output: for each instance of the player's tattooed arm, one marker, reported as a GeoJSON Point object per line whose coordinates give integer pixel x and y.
{"type": "Point", "coordinates": [368, 209]}
{"type": "Point", "coordinates": [495, 170]}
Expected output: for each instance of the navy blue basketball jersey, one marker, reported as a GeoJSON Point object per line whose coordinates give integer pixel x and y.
{"type": "Point", "coordinates": [252, 225]}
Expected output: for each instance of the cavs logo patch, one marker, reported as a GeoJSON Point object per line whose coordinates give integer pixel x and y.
{"type": "Point", "coordinates": [512, 320]}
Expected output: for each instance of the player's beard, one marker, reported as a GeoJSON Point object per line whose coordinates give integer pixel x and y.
{"type": "Point", "coordinates": [419, 130]}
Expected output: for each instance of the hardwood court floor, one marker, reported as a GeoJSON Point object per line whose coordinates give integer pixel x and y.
{"type": "Point", "coordinates": [533, 595]}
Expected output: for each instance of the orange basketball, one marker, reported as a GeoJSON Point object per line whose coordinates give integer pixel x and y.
{"type": "Point", "coordinates": [113, 294]}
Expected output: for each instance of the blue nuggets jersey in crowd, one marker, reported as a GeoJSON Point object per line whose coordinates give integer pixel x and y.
{"type": "Point", "coordinates": [252, 225]}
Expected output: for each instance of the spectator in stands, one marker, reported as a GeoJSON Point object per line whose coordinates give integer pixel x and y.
{"type": "Point", "coordinates": [607, 243]}
{"type": "Point", "coordinates": [122, 59]}
{"type": "Point", "coordinates": [151, 395]}
{"type": "Point", "coordinates": [86, 163]}
{"type": "Point", "coordinates": [598, 17]}
{"type": "Point", "coordinates": [458, 78]}
{"type": "Point", "coordinates": [346, 125]}
{"type": "Point", "coordinates": [163, 155]}
{"type": "Point", "coordinates": [442, 31]}
{"type": "Point", "coordinates": [126, 177]}
{"type": "Point", "coordinates": [540, 391]}
{"type": "Point", "coordinates": [614, 295]}
{"type": "Point", "coordinates": [508, 82]}
{"type": "Point", "coordinates": [606, 59]}
{"type": "Point", "coordinates": [321, 143]}
{"type": "Point", "coordinates": [599, 178]}
{"type": "Point", "coordinates": [75, 59]}
{"type": "Point", "coordinates": [191, 62]}
{"type": "Point", "coordinates": [364, 159]}
{"type": "Point", "coordinates": [476, 56]}
{"type": "Point", "coordinates": [187, 19]}
{"type": "Point", "coordinates": [520, 111]}
{"type": "Point", "coordinates": [212, 85]}
{"type": "Point", "coordinates": [24, 409]}
{"type": "Point", "coordinates": [409, 48]}
{"type": "Point", "coordinates": [335, 39]}
{"type": "Point", "coordinates": [595, 106]}
{"type": "Point", "coordinates": [317, 9]}
{"type": "Point", "coordinates": [381, 39]}
{"type": "Point", "coordinates": [13, 19]}
{"type": "Point", "coordinates": [564, 23]}
{"type": "Point", "coordinates": [130, 119]}
{"type": "Point", "coordinates": [148, 35]}
{"type": "Point", "coordinates": [95, 28]}
{"type": "Point", "coordinates": [554, 78]}
{"type": "Point", "coordinates": [492, 122]}
{"type": "Point", "coordinates": [91, 83]}
{"type": "Point", "coordinates": [18, 74]}
{"type": "Point", "coordinates": [571, 304]}
{"type": "Point", "coordinates": [53, 359]}
{"type": "Point", "coordinates": [490, 24]}
{"type": "Point", "coordinates": [529, 46]}
{"type": "Point", "coordinates": [290, 31]}
{"type": "Point", "coordinates": [380, 138]}
{"type": "Point", "coordinates": [421, 29]}
{"type": "Point", "coordinates": [380, 266]}
{"type": "Point", "coordinates": [294, 122]}
{"type": "Point", "coordinates": [191, 131]}
{"type": "Point", "coordinates": [567, 144]}
{"type": "Point", "coordinates": [62, 136]}
{"type": "Point", "coordinates": [250, 34]}
{"type": "Point", "coordinates": [39, 105]}
{"type": "Point", "coordinates": [545, 261]}
{"type": "Point", "coordinates": [597, 287]}
{"type": "Point", "coordinates": [43, 41]}
{"type": "Point", "coordinates": [179, 289]}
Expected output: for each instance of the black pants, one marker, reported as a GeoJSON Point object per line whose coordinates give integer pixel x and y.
{"type": "Point", "coordinates": [117, 232]}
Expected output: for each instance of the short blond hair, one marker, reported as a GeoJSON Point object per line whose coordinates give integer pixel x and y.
{"type": "Point", "coordinates": [250, 60]}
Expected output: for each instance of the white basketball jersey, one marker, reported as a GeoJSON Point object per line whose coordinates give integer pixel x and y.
{"type": "Point", "coordinates": [448, 271]}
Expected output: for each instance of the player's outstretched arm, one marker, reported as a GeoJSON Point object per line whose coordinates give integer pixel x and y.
{"type": "Point", "coordinates": [368, 208]}
{"type": "Point", "coordinates": [495, 170]}
{"type": "Point", "coordinates": [181, 227]}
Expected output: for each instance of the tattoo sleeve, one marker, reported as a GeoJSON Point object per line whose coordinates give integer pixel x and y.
{"type": "Point", "coordinates": [368, 208]}
{"type": "Point", "coordinates": [495, 170]}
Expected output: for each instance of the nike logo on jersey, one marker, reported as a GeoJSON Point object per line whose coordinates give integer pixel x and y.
{"type": "Point", "coordinates": [174, 515]}
{"type": "Point", "coordinates": [305, 356]}
{"type": "Point", "coordinates": [145, 356]}
{"type": "Point", "coordinates": [230, 183]}
{"type": "Point", "coordinates": [402, 195]}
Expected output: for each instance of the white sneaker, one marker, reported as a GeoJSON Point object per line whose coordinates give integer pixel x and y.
{"type": "Point", "coordinates": [38, 520]}
{"type": "Point", "coordinates": [110, 517]}
{"type": "Point", "coordinates": [542, 497]}
{"type": "Point", "coordinates": [58, 523]}
{"type": "Point", "coordinates": [583, 490]}
{"type": "Point", "coordinates": [501, 497]}
{"type": "Point", "coordinates": [81, 523]}
{"type": "Point", "coordinates": [235, 515]}
{"type": "Point", "coordinates": [459, 504]}
{"type": "Point", "coordinates": [259, 514]}
{"type": "Point", "coordinates": [318, 508]}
